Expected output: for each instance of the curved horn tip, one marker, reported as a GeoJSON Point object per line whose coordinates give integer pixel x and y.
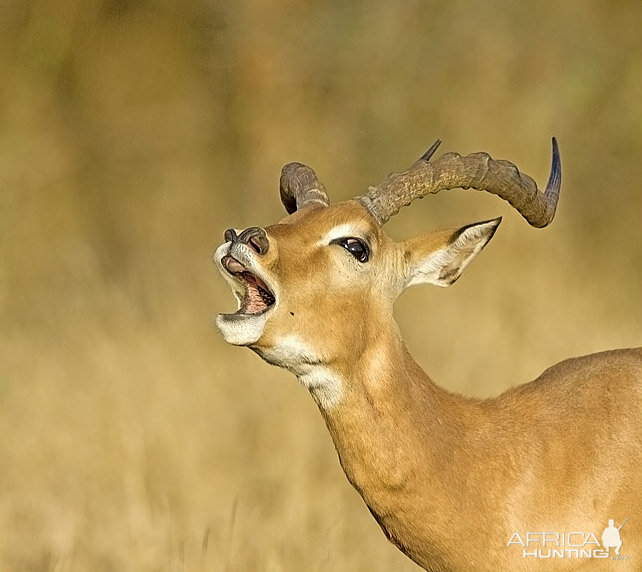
{"type": "Point", "coordinates": [431, 151]}
{"type": "Point", "coordinates": [555, 178]}
{"type": "Point", "coordinates": [556, 151]}
{"type": "Point", "coordinates": [552, 191]}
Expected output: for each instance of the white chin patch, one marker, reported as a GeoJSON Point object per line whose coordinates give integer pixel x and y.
{"type": "Point", "coordinates": [241, 329]}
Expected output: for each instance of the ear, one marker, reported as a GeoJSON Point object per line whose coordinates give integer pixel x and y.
{"type": "Point", "coordinates": [440, 258]}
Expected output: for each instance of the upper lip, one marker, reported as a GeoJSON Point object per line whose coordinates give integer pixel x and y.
{"type": "Point", "coordinates": [255, 295]}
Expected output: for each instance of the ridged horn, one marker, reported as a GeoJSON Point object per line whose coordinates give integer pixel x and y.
{"type": "Point", "coordinates": [475, 171]}
{"type": "Point", "coordinates": [299, 186]}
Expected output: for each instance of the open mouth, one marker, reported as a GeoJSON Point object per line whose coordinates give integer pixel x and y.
{"type": "Point", "coordinates": [256, 297]}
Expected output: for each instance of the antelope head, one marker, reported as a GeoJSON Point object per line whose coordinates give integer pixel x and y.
{"type": "Point", "coordinates": [317, 288]}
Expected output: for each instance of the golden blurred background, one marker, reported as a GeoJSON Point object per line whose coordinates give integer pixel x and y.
{"type": "Point", "coordinates": [133, 133]}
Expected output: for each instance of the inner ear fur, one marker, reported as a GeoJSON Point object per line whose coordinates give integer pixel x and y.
{"type": "Point", "coordinates": [440, 257]}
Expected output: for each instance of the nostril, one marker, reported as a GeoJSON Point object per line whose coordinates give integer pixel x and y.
{"type": "Point", "coordinates": [259, 244]}
{"type": "Point", "coordinates": [230, 235]}
{"type": "Point", "coordinates": [254, 244]}
{"type": "Point", "coordinates": [255, 238]}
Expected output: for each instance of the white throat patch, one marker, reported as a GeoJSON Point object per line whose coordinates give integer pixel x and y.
{"type": "Point", "coordinates": [325, 385]}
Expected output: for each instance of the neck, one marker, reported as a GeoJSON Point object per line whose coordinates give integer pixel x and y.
{"type": "Point", "coordinates": [395, 432]}
{"type": "Point", "coordinates": [385, 415]}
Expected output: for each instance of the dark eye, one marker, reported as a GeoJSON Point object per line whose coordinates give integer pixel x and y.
{"type": "Point", "coordinates": [355, 246]}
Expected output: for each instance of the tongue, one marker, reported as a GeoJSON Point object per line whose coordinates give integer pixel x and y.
{"type": "Point", "coordinates": [232, 265]}
{"type": "Point", "coordinates": [253, 302]}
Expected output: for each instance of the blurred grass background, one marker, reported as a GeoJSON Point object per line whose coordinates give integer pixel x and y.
{"type": "Point", "coordinates": [133, 133]}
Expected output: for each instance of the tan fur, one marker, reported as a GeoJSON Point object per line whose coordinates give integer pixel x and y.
{"type": "Point", "coordinates": [450, 479]}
